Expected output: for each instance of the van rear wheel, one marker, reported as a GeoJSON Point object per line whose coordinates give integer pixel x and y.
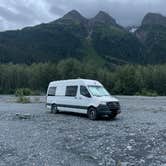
{"type": "Point", "coordinates": [92, 113]}
{"type": "Point", "coordinates": [54, 109]}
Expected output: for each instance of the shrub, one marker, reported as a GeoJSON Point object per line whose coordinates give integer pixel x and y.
{"type": "Point", "coordinates": [23, 92]}
{"type": "Point", "coordinates": [145, 92]}
{"type": "Point", "coordinates": [23, 99]}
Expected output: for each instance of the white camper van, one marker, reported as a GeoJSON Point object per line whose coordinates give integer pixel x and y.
{"type": "Point", "coordinates": [81, 96]}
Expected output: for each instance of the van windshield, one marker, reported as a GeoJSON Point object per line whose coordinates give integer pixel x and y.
{"type": "Point", "coordinates": [98, 91]}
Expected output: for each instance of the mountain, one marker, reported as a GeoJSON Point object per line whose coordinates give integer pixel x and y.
{"type": "Point", "coordinates": [103, 18]}
{"type": "Point", "coordinates": [75, 16]}
{"type": "Point", "coordinates": [154, 19]}
{"type": "Point", "coordinates": [99, 38]}
{"type": "Point", "coordinates": [152, 34]}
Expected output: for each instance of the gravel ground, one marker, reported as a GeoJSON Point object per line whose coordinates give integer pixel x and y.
{"type": "Point", "coordinates": [137, 137]}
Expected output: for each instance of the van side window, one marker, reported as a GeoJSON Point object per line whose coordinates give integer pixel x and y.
{"type": "Point", "coordinates": [71, 91]}
{"type": "Point", "coordinates": [52, 91]}
{"type": "Point", "coordinates": [84, 91]}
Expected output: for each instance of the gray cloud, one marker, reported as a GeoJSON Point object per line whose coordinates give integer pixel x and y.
{"type": "Point", "coordinates": [16, 14]}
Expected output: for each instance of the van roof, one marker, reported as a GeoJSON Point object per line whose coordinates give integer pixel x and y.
{"type": "Point", "coordinates": [78, 81]}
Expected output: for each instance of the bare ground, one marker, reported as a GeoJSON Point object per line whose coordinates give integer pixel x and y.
{"type": "Point", "coordinates": [136, 137]}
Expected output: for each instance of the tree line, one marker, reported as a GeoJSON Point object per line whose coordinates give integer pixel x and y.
{"type": "Point", "coordinates": [122, 80]}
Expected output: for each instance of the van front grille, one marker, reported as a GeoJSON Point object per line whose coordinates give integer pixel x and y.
{"type": "Point", "coordinates": [113, 105]}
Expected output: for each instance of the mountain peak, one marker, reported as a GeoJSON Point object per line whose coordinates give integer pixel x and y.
{"type": "Point", "coordinates": [74, 15]}
{"type": "Point", "coordinates": [154, 19]}
{"type": "Point", "coordinates": [103, 13]}
{"type": "Point", "coordinates": [105, 18]}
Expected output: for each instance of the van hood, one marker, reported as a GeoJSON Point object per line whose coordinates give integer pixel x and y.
{"type": "Point", "coordinates": [107, 99]}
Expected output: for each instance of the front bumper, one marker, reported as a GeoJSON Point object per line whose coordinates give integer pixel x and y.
{"type": "Point", "coordinates": [105, 110]}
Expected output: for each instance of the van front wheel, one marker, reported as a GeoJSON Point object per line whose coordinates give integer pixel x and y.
{"type": "Point", "coordinates": [54, 109]}
{"type": "Point", "coordinates": [112, 116]}
{"type": "Point", "coordinates": [92, 114]}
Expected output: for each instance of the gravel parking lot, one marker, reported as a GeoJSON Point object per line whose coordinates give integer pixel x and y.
{"type": "Point", "coordinates": [137, 137]}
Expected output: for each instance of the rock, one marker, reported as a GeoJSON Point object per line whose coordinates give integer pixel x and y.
{"type": "Point", "coordinates": [129, 147]}
{"type": "Point", "coordinates": [23, 116]}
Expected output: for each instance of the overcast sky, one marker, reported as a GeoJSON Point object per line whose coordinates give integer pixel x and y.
{"type": "Point", "coordinates": [16, 14]}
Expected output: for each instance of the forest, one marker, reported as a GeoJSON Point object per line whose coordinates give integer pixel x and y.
{"type": "Point", "coordinates": [149, 80]}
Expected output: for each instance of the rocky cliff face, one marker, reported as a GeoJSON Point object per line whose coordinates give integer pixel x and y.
{"type": "Point", "coordinates": [152, 19]}
{"type": "Point", "coordinates": [152, 33]}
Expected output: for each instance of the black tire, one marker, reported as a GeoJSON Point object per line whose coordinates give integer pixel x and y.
{"type": "Point", "coordinates": [92, 113]}
{"type": "Point", "coordinates": [54, 109]}
{"type": "Point", "coordinates": [112, 116]}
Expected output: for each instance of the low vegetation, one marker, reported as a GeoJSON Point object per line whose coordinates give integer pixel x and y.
{"type": "Point", "coordinates": [23, 99]}
{"type": "Point", "coordinates": [144, 92]}
{"type": "Point", "coordinates": [23, 92]}
{"type": "Point", "coordinates": [23, 80]}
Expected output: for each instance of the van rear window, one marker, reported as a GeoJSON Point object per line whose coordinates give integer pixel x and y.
{"type": "Point", "coordinates": [71, 91]}
{"type": "Point", "coordinates": [52, 91]}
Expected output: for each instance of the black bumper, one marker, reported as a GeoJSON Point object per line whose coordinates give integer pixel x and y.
{"type": "Point", "coordinates": [105, 110]}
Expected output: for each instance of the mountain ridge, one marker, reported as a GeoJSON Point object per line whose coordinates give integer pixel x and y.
{"type": "Point", "coordinates": [74, 36]}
